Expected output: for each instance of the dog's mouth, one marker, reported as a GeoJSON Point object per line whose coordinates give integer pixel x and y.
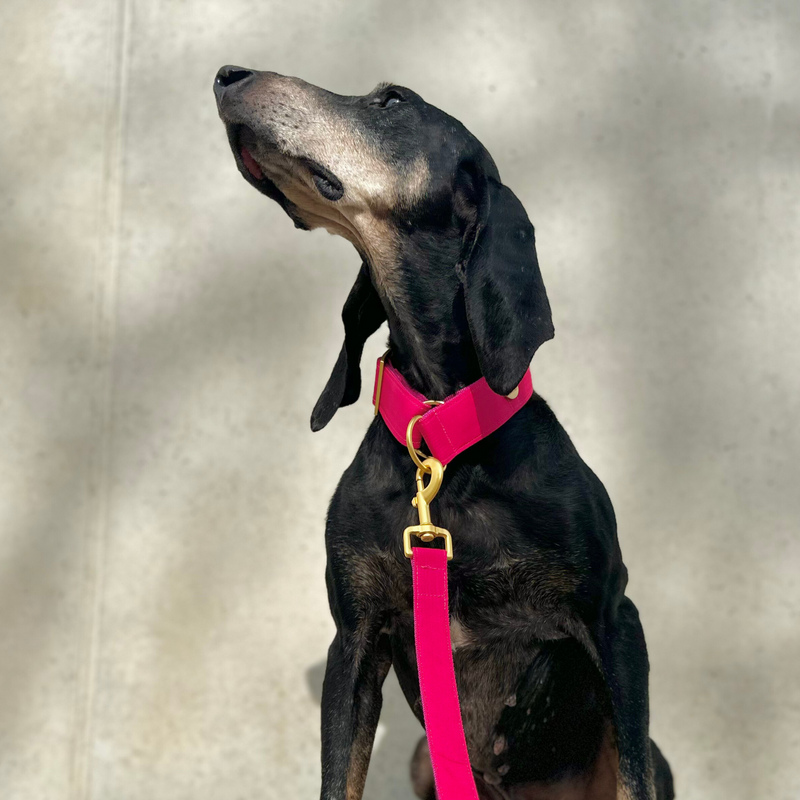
{"type": "Point", "coordinates": [250, 163]}
{"type": "Point", "coordinates": [244, 141]}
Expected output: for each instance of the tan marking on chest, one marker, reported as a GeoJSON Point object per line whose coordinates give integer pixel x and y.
{"type": "Point", "coordinates": [459, 635]}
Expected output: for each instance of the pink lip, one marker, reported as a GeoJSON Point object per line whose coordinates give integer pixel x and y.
{"type": "Point", "coordinates": [250, 163]}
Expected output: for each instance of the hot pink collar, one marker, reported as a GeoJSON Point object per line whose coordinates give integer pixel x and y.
{"type": "Point", "coordinates": [451, 426]}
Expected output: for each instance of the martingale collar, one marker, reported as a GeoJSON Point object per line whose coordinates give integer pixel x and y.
{"type": "Point", "coordinates": [449, 426]}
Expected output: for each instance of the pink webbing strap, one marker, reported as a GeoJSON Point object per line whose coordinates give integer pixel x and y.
{"type": "Point", "coordinates": [443, 727]}
{"type": "Point", "coordinates": [463, 419]}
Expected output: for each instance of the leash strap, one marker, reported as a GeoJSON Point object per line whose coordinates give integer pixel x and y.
{"type": "Point", "coordinates": [437, 680]}
{"type": "Point", "coordinates": [453, 425]}
{"type": "Point", "coordinates": [448, 428]}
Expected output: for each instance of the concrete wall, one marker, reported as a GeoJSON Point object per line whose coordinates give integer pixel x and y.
{"type": "Point", "coordinates": [164, 332]}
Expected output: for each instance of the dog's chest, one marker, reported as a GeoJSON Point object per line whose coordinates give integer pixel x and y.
{"type": "Point", "coordinates": [523, 602]}
{"type": "Point", "coordinates": [502, 604]}
{"type": "Point", "coordinates": [500, 624]}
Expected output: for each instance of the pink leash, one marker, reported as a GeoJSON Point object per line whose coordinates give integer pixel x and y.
{"type": "Point", "coordinates": [448, 428]}
{"type": "Point", "coordinates": [437, 678]}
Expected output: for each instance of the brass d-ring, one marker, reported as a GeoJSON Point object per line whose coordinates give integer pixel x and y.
{"type": "Point", "coordinates": [412, 451]}
{"type": "Point", "coordinates": [415, 454]}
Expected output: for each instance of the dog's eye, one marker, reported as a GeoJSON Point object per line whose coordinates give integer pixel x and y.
{"type": "Point", "coordinates": [328, 185]}
{"type": "Point", "coordinates": [327, 188]}
{"type": "Point", "coordinates": [391, 98]}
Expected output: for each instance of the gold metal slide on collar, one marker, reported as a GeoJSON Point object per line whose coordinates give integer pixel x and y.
{"type": "Point", "coordinates": [426, 530]}
{"type": "Point", "coordinates": [379, 385]}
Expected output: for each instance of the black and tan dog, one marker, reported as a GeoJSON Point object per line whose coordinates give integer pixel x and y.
{"type": "Point", "coordinates": [549, 652]}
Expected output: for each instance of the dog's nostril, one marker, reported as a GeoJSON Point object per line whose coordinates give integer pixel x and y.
{"type": "Point", "coordinates": [233, 77]}
{"type": "Point", "coordinates": [230, 75]}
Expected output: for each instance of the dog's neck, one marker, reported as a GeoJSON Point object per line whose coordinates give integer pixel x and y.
{"type": "Point", "coordinates": [429, 335]}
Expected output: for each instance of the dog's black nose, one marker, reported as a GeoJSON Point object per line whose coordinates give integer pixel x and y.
{"type": "Point", "coordinates": [229, 75]}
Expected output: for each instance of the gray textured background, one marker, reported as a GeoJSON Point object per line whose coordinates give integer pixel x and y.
{"type": "Point", "coordinates": [164, 332]}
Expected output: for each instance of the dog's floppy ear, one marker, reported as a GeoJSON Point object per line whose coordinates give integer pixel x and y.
{"type": "Point", "coordinates": [362, 316]}
{"type": "Point", "coordinates": [507, 307]}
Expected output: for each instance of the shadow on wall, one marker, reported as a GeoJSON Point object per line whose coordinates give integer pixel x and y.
{"type": "Point", "coordinates": [397, 736]}
{"type": "Point", "coordinates": [671, 145]}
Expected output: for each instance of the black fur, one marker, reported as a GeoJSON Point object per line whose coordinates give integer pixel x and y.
{"type": "Point", "coordinates": [551, 664]}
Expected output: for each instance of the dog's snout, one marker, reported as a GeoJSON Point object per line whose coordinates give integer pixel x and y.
{"type": "Point", "coordinates": [230, 75]}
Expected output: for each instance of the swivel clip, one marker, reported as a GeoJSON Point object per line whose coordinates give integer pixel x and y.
{"type": "Point", "coordinates": [426, 530]}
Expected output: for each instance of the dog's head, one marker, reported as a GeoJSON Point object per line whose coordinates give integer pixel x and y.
{"type": "Point", "coordinates": [448, 250]}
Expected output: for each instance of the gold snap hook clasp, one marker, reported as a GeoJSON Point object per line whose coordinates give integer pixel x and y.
{"type": "Point", "coordinates": [428, 493]}
{"type": "Point", "coordinates": [426, 530]}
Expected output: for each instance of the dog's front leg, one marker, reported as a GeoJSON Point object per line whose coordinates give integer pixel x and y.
{"type": "Point", "coordinates": [358, 661]}
{"type": "Point", "coordinates": [624, 656]}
